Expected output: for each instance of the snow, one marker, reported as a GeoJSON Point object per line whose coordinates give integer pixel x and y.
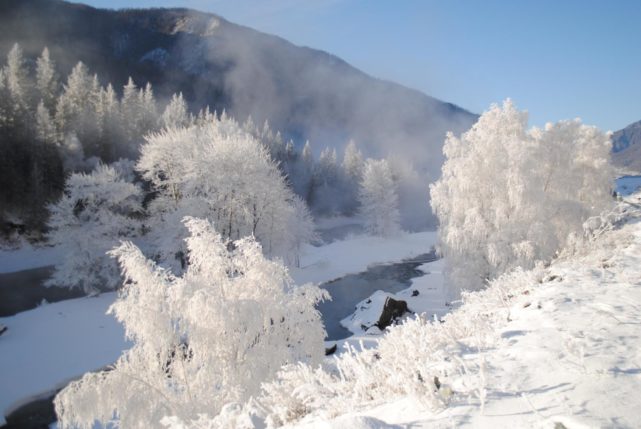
{"type": "Point", "coordinates": [565, 351]}
{"type": "Point", "coordinates": [627, 185]}
{"type": "Point", "coordinates": [28, 257]}
{"type": "Point", "coordinates": [431, 300]}
{"type": "Point", "coordinates": [46, 347]}
{"type": "Point", "coordinates": [354, 255]}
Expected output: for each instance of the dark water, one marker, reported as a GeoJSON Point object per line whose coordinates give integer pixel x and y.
{"type": "Point", "coordinates": [348, 291]}
{"type": "Point", "coordinates": [34, 415]}
{"type": "Point", "coordinates": [24, 290]}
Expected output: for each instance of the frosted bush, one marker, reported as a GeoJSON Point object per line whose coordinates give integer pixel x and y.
{"type": "Point", "coordinates": [96, 211]}
{"type": "Point", "coordinates": [202, 340]}
{"type": "Point", "coordinates": [509, 196]}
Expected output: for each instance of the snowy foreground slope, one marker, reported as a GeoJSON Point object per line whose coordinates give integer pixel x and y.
{"type": "Point", "coordinates": [556, 347]}
{"type": "Point", "coordinates": [43, 349]}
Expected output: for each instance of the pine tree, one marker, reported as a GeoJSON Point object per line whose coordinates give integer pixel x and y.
{"type": "Point", "coordinates": [45, 128]}
{"type": "Point", "coordinates": [378, 199]}
{"type": "Point", "coordinates": [46, 80]}
{"type": "Point", "coordinates": [130, 111]}
{"type": "Point", "coordinates": [352, 175]}
{"type": "Point", "coordinates": [175, 114]}
{"type": "Point", "coordinates": [353, 162]}
{"type": "Point", "coordinates": [17, 82]}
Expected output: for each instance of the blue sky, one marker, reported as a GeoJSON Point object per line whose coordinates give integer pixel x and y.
{"type": "Point", "coordinates": [557, 59]}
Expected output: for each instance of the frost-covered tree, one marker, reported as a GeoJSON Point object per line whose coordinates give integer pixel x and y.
{"type": "Point", "coordinates": [203, 340]}
{"type": "Point", "coordinates": [46, 80]}
{"type": "Point", "coordinates": [96, 211]}
{"type": "Point", "coordinates": [301, 229]}
{"type": "Point", "coordinates": [510, 196]}
{"type": "Point", "coordinates": [17, 81]}
{"type": "Point", "coordinates": [130, 110]}
{"type": "Point", "coordinates": [45, 128]}
{"type": "Point", "coordinates": [219, 171]}
{"type": "Point", "coordinates": [326, 178]}
{"type": "Point", "coordinates": [148, 110]}
{"type": "Point", "coordinates": [352, 175]}
{"type": "Point", "coordinates": [378, 199]}
{"type": "Point", "coordinates": [76, 108]}
{"type": "Point", "coordinates": [175, 114]}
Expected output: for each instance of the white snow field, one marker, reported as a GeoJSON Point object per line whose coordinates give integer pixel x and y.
{"type": "Point", "coordinates": [27, 257]}
{"type": "Point", "coordinates": [46, 347]}
{"type": "Point", "coordinates": [561, 348]}
{"type": "Point", "coordinates": [355, 254]}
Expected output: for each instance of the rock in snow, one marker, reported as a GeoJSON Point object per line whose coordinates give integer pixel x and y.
{"type": "Point", "coordinates": [392, 309]}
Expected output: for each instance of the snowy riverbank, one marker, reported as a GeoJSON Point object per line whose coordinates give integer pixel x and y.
{"type": "Point", "coordinates": [46, 347]}
{"type": "Point", "coordinates": [557, 347]}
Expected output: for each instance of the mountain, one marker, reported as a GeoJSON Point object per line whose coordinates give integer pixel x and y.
{"type": "Point", "coordinates": [305, 93]}
{"type": "Point", "coordinates": [626, 148]}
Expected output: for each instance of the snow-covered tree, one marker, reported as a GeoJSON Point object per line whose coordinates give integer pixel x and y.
{"type": "Point", "coordinates": [4, 100]}
{"type": "Point", "coordinates": [352, 175]}
{"type": "Point", "coordinates": [300, 172]}
{"type": "Point", "coordinates": [77, 105]}
{"type": "Point", "coordinates": [353, 162]}
{"type": "Point", "coordinates": [96, 211]}
{"type": "Point", "coordinates": [17, 78]}
{"type": "Point", "coordinates": [148, 110]}
{"type": "Point", "coordinates": [510, 196]}
{"type": "Point", "coordinates": [324, 196]}
{"type": "Point", "coordinates": [175, 114]}
{"type": "Point", "coordinates": [46, 80]}
{"type": "Point", "coordinates": [45, 128]}
{"type": "Point", "coordinates": [378, 199]}
{"type": "Point", "coordinates": [301, 229]}
{"type": "Point", "coordinates": [217, 170]}
{"type": "Point", "coordinates": [203, 340]}
{"type": "Point", "coordinates": [130, 110]}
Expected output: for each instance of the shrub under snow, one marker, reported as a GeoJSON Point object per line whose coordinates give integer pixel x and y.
{"type": "Point", "coordinates": [203, 340]}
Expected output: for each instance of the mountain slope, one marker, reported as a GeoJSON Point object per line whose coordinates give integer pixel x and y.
{"type": "Point", "coordinates": [308, 94]}
{"type": "Point", "coordinates": [626, 147]}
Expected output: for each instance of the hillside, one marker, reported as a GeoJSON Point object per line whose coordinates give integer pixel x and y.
{"type": "Point", "coordinates": [305, 93]}
{"type": "Point", "coordinates": [626, 148]}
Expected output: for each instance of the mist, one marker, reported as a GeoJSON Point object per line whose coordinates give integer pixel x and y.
{"type": "Point", "coordinates": [303, 93]}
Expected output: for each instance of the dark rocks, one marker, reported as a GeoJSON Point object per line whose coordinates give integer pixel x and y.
{"type": "Point", "coordinates": [391, 310]}
{"type": "Point", "coordinates": [331, 350]}
{"type": "Point", "coordinates": [415, 292]}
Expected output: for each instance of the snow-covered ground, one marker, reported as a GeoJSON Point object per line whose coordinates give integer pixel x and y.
{"type": "Point", "coordinates": [46, 347]}
{"type": "Point", "coordinates": [426, 295]}
{"type": "Point", "coordinates": [355, 254]}
{"type": "Point", "coordinates": [627, 185]}
{"type": "Point", "coordinates": [27, 257]}
{"type": "Point", "coordinates": [563, 349]}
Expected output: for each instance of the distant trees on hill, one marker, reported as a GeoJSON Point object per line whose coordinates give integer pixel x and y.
{"type": "Point", "coordinates": [52, 127]}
